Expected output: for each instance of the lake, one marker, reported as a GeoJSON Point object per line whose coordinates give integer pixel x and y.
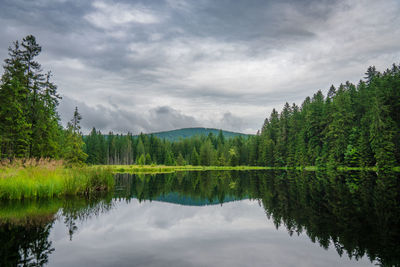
{"type": "Point", "coordinates": [213, 218]}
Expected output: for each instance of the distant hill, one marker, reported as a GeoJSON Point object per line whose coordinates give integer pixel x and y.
{"type": "Point", "coordinates": [176, 198]}
{"type": "Point", "coordinates": [174, 135]}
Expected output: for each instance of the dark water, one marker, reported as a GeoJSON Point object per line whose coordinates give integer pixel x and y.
{"type": "Point", "coordinates": [256, 218]}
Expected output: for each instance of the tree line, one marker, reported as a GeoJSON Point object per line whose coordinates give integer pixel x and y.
{"type": "Point", "coordinates": [354, 125]}
{"type": "Point", "coordinates": [210, 150]}
{"type": "Point", "coordinates": [29, 122]}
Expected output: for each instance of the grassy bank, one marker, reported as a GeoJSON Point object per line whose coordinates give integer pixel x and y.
{"type": "Point", "coordinates": [169, 169]}
{"type": "Point", "coordinates": [46, 179]}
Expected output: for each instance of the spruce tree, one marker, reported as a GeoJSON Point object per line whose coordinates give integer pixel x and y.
{"type": "Point", "coordinates": [14, 124]}
{"type": "Point", "coordinates": [75, 144]}
{"type": "Point", "coordinates": [180, 161]}
{"type": "Point", "coordinates": [194, 158]}
{"type": "Point", "coordinates": [29, 121]}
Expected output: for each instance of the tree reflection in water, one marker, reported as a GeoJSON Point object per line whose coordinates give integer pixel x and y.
{"type": "Point", "coordinates": [25, 226]}
{"type": "Point", "coordinates": [356, 212]}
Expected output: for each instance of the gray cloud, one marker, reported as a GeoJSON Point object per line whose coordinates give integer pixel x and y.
{"type": "Point", "coordinates": [126, 61]}
{"type": "Point", "coordinates": [122, 121]}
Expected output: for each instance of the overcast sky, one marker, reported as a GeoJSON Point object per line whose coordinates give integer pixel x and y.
{"type": "Point", "coordinates": [145, 66]}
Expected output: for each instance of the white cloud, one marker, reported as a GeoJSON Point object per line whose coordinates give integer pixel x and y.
{"type": "Point", "coordinates": [111, 15]}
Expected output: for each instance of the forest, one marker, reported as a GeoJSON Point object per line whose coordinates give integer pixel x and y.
{"type": "Point", "coordinates": [29, 122]}
{"type": "Point", "coordinates": [355, 125]}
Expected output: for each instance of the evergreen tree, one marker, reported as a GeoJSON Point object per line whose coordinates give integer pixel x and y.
{"type": "Point", "coordinates": [233, 157]}
{"type": "Point", "coordinates": [148, 159]}
{"type": "Point", "coordinates": [141, 160]}
{"type": "Point", "coordinates": [75, 144]}
{"type": "Point", "coordinates": [206, 153]}
{"type": "Point", "coordinates": [169, 160]}
{"type": "Point", "coordinates": [180, 161]}
{"type": "Point", "coordinates": [29, 121]}
{"type": "Point", "coordinates": [194, 158]}
{"type": "Point", "coordinates": [140, 148]}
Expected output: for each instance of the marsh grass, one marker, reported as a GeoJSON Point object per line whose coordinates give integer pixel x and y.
{"type": "Point", "coordinates": [154, 169]}
{"type": "Point", "coordinates": [47, 178]}
{"type": "Point", "coordinates": [149, 169]}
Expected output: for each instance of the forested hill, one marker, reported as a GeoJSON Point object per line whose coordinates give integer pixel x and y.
{"type": "Point", "coordinates": [175, 198]}
{"type": "Point", "coordinates": [175, 135]}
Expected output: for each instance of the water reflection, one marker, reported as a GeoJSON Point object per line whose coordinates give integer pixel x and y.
{"type": "Point", "coordinates": [185, 188]}
{"type": "Point", "coordinates": [25, 226]}
{"type": "Point", "coordinates": [356, 213]}
{"type": "Point", "coordinates": [26, 245]}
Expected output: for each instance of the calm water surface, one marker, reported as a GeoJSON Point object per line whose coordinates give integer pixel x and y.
{"type": "Point", "coordinates": [212, 219]}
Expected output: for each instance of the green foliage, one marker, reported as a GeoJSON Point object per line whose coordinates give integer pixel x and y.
{"type": "Point", "coordinates": [194, 158]}
{"type": "Point", "coordinates": [206, 154]}
{"type": "Point", "coordinates": [180, 161]}
{"type": "Point", "coordinates": [141, 160]}
{"type": "Point", "coordinates": [233, 157]}
{"type": "Point", "coordinates": [169, 160]}
{"type": "Point", "coordinates": [148, 159]}
{"type": "Point", "coordinates": [351, 156]}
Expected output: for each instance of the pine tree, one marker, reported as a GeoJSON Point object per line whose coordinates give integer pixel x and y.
{"type": "Point", "coordinates": [233, 157]}
{"type": "Point", "coordinates": [141, 160]}
{"type": "Point", "coordinates": [169, 160]}
{"type": "Point", "coordinates": [194, 158]}
{"type": "Point", "coordinates": [180, 161]}
{"type": "Point", "coordinates": [140, 148]}
{"type": "Point", "coordinates": [206, 153]}
{"type": "Point", "coordinates": [15, 129]}
{"type": "Point", "coordinates": [29, 120]}
{"type": "Point", "coordinates": [75, 144]}
{"type": "Point", "coordinates": [148, 159]}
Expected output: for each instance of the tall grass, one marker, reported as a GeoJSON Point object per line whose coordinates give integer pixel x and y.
{"type": "Point", "coordinates": [153, 169]}
{"type": "Point", "coordinates": [46, 179]}
{"type": "Point", "coordinates": [168, 169]}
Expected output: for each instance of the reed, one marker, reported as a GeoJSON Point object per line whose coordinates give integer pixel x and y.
{"type": "Point", "coordinates": [43, 178]}
{"type": "Point", "coordinates": [154, 169]}
{"type": "Point", "coordinates": [147, 169]}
